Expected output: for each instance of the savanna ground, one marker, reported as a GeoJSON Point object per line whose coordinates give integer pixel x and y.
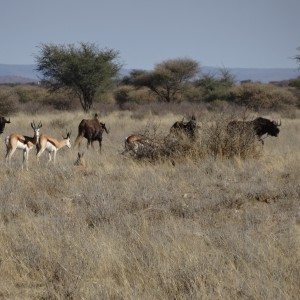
{"type": "Point", "coordinates": [199, 228]}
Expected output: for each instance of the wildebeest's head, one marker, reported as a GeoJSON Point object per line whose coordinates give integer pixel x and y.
{"type": "Point", "coordinates": [3, 121]}
{"type": "Point", "coordinates": [188, 128]}
{"type": "Point", "coordinates": [265, 126]}
{"type": "Point", "coordinates": [104, 127]}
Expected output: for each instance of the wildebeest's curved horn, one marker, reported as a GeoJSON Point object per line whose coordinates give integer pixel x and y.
{"type": "Point", "coordinates": [277, 123]}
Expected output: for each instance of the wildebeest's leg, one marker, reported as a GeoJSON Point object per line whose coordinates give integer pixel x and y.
{"type": "Point", "coordinates": [100, 144]}
{"type": "Point", "coordinates": [88, 144]}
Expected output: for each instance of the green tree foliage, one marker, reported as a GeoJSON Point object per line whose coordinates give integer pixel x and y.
{"type": "Point", "coordinates": [215, 87]}
{"type": "Point", "coordinates": [297, 57]}
{"type": "Point", "coordinates": [168, 78]}
{"type": "Point", "coordinates": [82, 70]}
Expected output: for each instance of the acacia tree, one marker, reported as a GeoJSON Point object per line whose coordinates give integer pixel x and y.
{"type": "Point", "coordinates": [168, 78]}
{"type": "Point", "coordinates": [82, 70]}
{"type": "Point", "coordinates": [297, 57]}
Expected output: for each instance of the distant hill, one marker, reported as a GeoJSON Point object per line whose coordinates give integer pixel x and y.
{"type": "Point", "coordinates": [18, 73]}
{"type": "Point", "coordinates": [28, 73]}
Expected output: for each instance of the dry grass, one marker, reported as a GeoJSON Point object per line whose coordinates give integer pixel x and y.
{"type": "Point", "coordinates": [206, 228]}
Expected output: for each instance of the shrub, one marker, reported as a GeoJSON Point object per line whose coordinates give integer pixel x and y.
{"type": "Point", "coordinates": [8, 101]}
{"type": "Point", "coordinates": [214, 141]}
{"type": "Point", "coordinates": [28, 93]}
{"type": "Point", "coordinates": [126, 94]}
{"type": "Point", "coordinates": [240, 142]}
{"type": "Point", "coordinates": [262, 96]}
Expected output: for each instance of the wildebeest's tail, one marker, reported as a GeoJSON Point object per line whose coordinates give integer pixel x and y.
{"type": "Point", "coordinates": [78, 140]}
{"type": "Point", "coordinates": [80, 135]}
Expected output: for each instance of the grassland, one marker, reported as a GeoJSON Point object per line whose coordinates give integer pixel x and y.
{"type": "Point", "coordinates": [123, 229]}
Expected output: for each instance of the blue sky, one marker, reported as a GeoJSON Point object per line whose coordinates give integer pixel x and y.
{"type": "Point", "coordinates": [218, 33]}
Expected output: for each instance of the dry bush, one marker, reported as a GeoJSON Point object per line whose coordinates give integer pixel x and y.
{"type": "Point", "coordinates": [214, 141]}
{"type": "Point", "coordinates": [241, 142]}
{"type": "Point", "coordinates": [202, 229]}
{"type": "Point", "coordinates": [30, 93]}
{"type": "Point", "coordinates": [263, 96]}
{"type": "Point", "coordinates": [127, 96]}
{"type": "Point", "coordinates": [8, 101]}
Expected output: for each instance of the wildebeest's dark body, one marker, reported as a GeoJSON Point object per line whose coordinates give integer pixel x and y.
{"type": "Point", "coordinates": [3, 121]}
{"type": "Point", "coordinates": [187, 128]}
{"type": "Point", "coordinates": [92, 130]}
{"type": "Point", "coordinates": [260, 126]}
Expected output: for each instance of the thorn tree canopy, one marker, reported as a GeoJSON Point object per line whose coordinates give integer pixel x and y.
{"type": "Point", "coordinates": [297, 57]}
{"type": "Point", "coordinates": [168, 78]}
{"type": "Point", "coordinates": [81, 70]}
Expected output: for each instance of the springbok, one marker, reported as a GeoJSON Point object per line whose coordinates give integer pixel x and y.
{"type": "Point", "coordinates": [138, 143]}
{"type": "Point", "coordinates": [17, 141]}
{"type": "Point", "coordinates": [52, 145]}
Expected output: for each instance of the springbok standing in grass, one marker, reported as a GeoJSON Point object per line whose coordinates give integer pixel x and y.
{"type": "Point", "coordinates": [52, 145]}
{"type": "Point", "coordinates": [17, 141]}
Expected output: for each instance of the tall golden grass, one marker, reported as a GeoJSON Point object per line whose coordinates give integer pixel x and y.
{"type": "Point", "coordinates": [210, 227]}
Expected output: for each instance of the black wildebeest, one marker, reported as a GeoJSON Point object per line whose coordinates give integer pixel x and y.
{"type": "Point", "coordinates": [3, 121]}
{"type": "Point", "coordinates": [92, 130]}
{"type": "Point", "coordinates": [187, 128]}
{"type": "Point", "coordinates": [260, 126]}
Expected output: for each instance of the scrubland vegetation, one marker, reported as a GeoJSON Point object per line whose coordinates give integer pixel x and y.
{"type": "Point", "coordinates": [202, 228]}
{"type": "Point", "coordinates": [206, 222]}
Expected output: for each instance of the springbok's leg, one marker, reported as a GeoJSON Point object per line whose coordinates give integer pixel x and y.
{"type": "Point", "coordinates": [9, 154]}
{"type": "Point", "coordinates": [54, 157]}
{"type": "Point", "coordinates": [49, 158]}
{"type": "Point", "coordinates": [25, 158]}
{"type": "Point", "coordinates": [8, 150]}
{"type": "Point", "coordinates": [40, 151]}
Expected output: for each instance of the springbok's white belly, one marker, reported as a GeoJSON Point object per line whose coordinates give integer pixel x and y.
{"type": "Point", "coordinates": [21, 146]}
{"type": "Point", "coordinates": [50, 148]}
